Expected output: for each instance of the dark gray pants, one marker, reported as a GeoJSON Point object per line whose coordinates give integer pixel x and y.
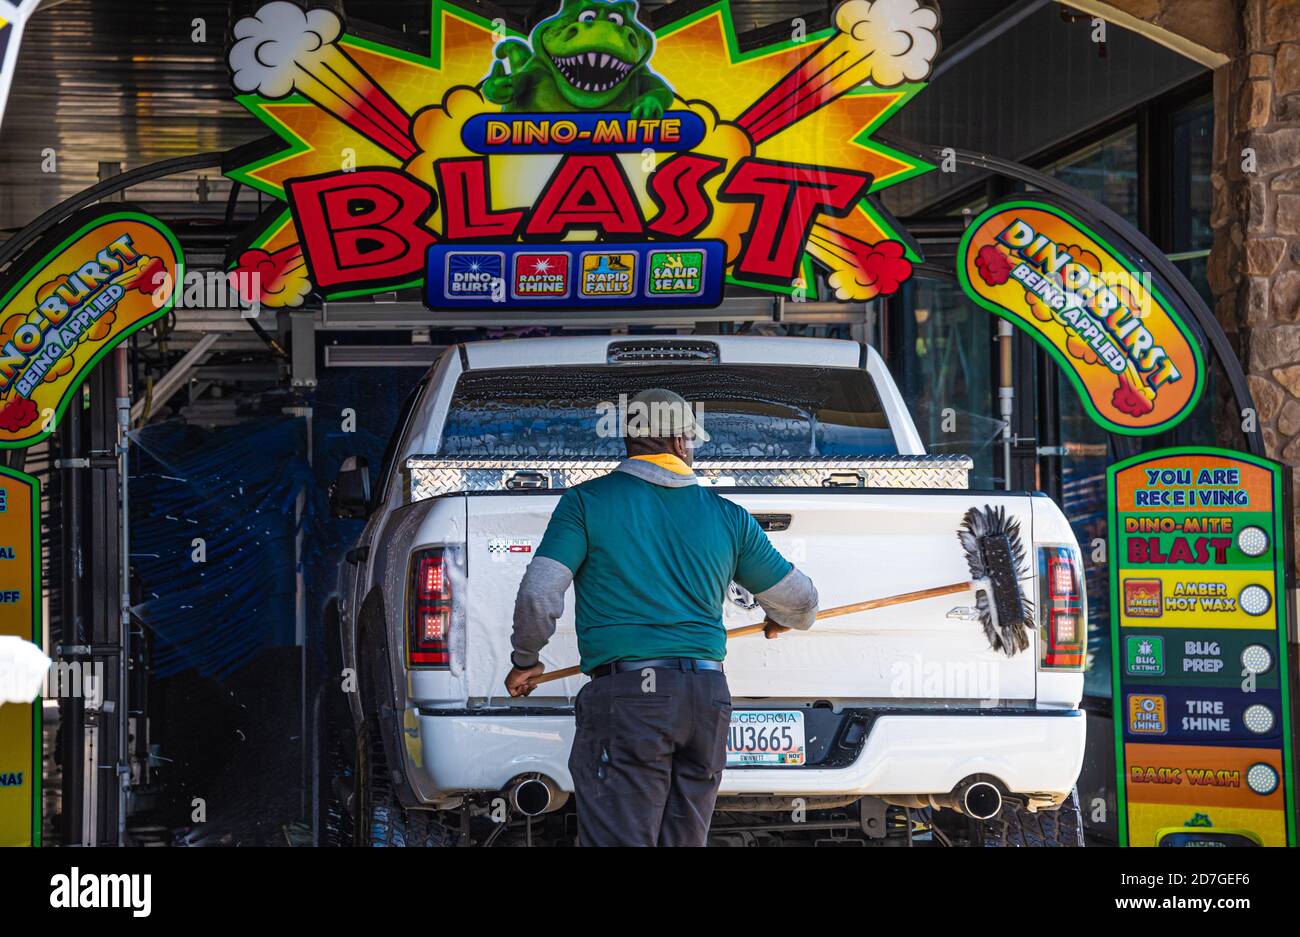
{"type": "Point", "coordinates": [648, 757]}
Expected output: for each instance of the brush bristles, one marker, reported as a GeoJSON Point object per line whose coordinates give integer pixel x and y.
{"type": "Point", "coordinates": [978, 528]}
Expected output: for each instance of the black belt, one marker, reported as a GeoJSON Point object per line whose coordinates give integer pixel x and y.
{"type": "Point", "coordinates": [687, 664]}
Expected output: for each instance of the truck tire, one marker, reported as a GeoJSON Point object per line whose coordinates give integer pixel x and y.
{"type": "Point", "coordinates": [333, 784]}
{"type": "Point", "coordinates": [1016, 826]}
{"type": "Point", "coordinates": [381, 819]}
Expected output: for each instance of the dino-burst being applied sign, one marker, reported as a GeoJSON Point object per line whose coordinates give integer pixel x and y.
{"type": "Point", "coordinates": [594, 161]}
{"type": "Point", "coordinates": [76, 294]}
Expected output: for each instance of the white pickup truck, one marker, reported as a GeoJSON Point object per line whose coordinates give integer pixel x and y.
{"type": "Point", "coordinates": [863, 728]}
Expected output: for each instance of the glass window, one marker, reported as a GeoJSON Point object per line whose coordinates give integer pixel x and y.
{"type": "Point", "coordinates": [945, 342]}
{"type": "Point", "coordinates": [971, 208]}
{"type": "Point", "coordinates": [1083, 501]}
{"type": "Point", "coordinates": [1192, 196]}
{"type": "Point", "coordinates": [749, 411]}
{"type": "Point", "coordinates": [380, 492]}
{"type": "Point", "coordinates": [1107, 170]}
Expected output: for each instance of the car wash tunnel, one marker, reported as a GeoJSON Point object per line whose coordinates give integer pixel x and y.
{"type": "Point", "coordinates": [433, 422]}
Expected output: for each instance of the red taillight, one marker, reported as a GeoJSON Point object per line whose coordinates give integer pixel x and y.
{"type": "Point", "coordinates": [1065, 627]}
{"type": "Point", "coordinates": [428, 617]}
{"type": "Point", "coordinates": [1060, 578]}
{"type": "Point", "coordinates": [1063, 624]}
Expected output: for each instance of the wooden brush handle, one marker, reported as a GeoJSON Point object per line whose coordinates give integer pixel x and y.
{"type": "Point", "coordinates": [558, 674]}
{"type": "Point", "coordinates": [868, 605]}
{"type": "Point", "coordinates": [901, 599]}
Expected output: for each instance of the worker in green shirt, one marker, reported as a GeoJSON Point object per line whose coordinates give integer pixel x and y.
{"type": "Point", "coordinates": [650, 554]}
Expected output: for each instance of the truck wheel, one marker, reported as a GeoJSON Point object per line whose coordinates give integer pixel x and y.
{"type": "Point", "coordinates": [334, 781]}
{"type": "Point", "coordinates": [1016, 826]}
{"type": "Point", "coordinates": [381, 819]}
{"type": "Point", "coordinates": [333, 784]}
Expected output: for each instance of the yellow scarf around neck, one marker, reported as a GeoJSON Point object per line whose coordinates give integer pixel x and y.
{"type": "Point", "coordinates": [668, 461]}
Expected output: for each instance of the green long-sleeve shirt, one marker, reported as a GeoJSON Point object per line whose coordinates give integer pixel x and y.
{"type": "Point", "coordinates": [651, 562]}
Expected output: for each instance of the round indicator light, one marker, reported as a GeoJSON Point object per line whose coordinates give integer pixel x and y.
{"type": "Point", "coordinates": [1259, 719]}
{"type": "Point", "coordinates": [1261, 778]}
{"type": "Point", "coordinates": [1252, 541]}
{"type": "Point", "coordinates": [1255, 600]}
{"type": "Point", "coordinates": [1256, 659]}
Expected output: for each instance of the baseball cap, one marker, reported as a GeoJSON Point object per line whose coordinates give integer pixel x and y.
{"type": "Point", "coordinates": [658, 412]}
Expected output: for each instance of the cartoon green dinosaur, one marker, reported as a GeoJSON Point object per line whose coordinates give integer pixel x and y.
{"type": "Point", "coordinates": [591, 55]}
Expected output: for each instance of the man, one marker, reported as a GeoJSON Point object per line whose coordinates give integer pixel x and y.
{"type": "Point", "coordinates": [651, 554]}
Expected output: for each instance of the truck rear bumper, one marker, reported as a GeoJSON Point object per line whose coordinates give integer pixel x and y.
{"type": "Point", "coordinates": [903, 754]}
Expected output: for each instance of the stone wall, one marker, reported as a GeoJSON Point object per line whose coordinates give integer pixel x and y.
{"type": "Point", "coordinates": [1254, 266]}
{"type": "Point", "coordinates": [1255, 263]}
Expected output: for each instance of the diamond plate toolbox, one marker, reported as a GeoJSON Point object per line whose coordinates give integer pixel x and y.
{"type": "Point", "coordinates": [431, 476]}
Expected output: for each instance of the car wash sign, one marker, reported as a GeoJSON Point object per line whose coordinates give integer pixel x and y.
{"type": "Point", "coordinates": [1117, 330]}
{"type": "Point", "coordinates": [598, 160]}
{"type": "Point", "coordinates": [1199, 612]}
{"type": "Point", "coordinates": [90, 284]}
{"type": "Point", "coordinates": [20, 616]}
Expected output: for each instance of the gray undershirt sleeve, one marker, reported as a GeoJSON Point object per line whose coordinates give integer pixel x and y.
{"type": "Point", "coordinates": [792, 602]}
{"type": "Point", "coordinates": [537, 606]}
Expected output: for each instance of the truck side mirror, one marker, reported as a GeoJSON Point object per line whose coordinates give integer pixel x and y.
{"type": "Point", "coordinates": [350, 493]}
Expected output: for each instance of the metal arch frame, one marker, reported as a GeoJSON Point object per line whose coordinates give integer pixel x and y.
{"type": "Point", "coordinates": [1206, 323]}
{"type": "Point", "coordinates": [32, 231]}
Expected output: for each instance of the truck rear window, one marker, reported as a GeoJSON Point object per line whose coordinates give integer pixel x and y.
{"type": "Point", "coordinates": [750, 411]}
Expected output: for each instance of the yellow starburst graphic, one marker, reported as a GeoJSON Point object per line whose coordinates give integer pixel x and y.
{"type": "Point", "coordinates": [341, 103]}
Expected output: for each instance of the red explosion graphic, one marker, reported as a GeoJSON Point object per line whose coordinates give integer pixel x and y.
{"type": "Point", "coordinates": [886, 264]}
{"type": "Point", "coordinates": [152, 277]}
{"type": "Point", "coordinates": [18, 414]}
{"type": "Point", "coordinates": [870, 269]}
{"type": "Point", "coordinates": [259, 267]}
{"type": "Point", "coordinates": [993, 266]}
{"type": "Point", "coordinates": [260, 273]}
{"type": "Point", "coordinates": [1127, 400]}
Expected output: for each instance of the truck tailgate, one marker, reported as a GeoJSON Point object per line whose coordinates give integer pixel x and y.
{"type": "Point", "coordinates": [855, 545]}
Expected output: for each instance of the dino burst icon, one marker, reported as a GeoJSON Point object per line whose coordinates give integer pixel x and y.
{"type": "Point", "coordinates": [473, 274]}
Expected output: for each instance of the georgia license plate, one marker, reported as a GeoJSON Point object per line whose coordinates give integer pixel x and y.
{"type": "Point", "coordinates": [771, 737]}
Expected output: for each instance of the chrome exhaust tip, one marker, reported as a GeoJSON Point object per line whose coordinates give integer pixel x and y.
{"type": "Point", "coordinates": [981, 800]}
{"type": "Point", "coordinates": [974, 797]}
{"type": "Point", "coordinates": [534, 796]}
